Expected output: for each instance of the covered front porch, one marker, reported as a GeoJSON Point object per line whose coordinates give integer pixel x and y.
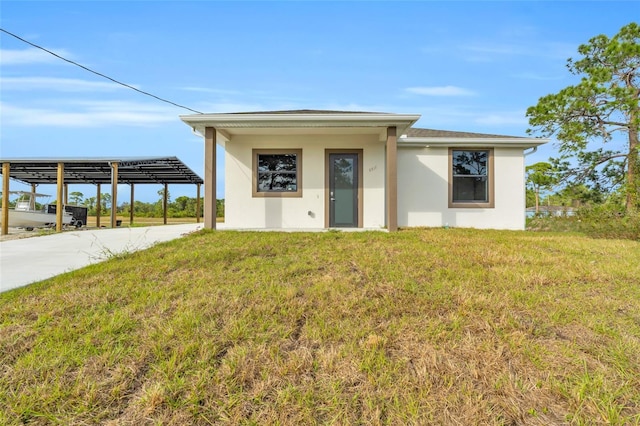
{"type": "Point", "coordinates": [303, 169]}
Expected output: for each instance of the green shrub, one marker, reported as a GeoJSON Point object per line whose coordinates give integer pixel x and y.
{"type": "Point", "coordinates": [609, 221]}
{"type": "Point", "coordinates": [602, 221]}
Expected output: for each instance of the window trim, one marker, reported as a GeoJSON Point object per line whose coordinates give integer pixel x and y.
{"type": "Point", "coordinates": [276, 194]}
{"type": "Point", "coordinates": [490, 181]}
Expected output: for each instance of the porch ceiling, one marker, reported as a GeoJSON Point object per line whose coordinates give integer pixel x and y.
{"type": "Point", "coordinates": [227, 133]}
{"type": "Point", "coordinates": [302, 122]}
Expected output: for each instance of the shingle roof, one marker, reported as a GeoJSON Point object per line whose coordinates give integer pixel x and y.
{"type": "Point", "coordinates": [411, 132]}
{"type": "Point", "coordinates": [431, 133]}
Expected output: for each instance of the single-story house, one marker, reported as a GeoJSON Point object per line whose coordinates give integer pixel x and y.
{"type": "Point", "coordinates": [307, 169]}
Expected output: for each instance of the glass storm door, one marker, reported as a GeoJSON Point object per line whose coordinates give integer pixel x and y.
{"type": "Point", "coordinates": [343, 190]}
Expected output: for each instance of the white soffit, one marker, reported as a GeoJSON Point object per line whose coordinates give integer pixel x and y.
{"type": "Point", "coordinates": [228, 122]}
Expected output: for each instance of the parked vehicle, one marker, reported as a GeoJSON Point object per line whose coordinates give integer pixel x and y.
{"type": "Point", "coordinates": [79, 213]}
{"type": "Point", "coordinates": [25, 215]}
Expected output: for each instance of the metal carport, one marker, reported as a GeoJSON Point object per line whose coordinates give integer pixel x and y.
{"type": "Point", "coordinates": [97, 171]}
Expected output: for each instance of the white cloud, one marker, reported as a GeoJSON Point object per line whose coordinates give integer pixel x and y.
{"type": "Point", "coordinates": [440, 91]}
{"type": "Point", "coordinates": [488, 51]}
{"type": "Point", "coordinates": [30, 56]}
{"type": "Point", "coordinates": [536, 76]}
{"type": "Point", "coordinates": [88, 114]}
{"type": "Point", "coordinates": [502, 118]}
{"type": "Point", "coordinates": [469, 118]}
{"type": "Point", "coordinates": [228, 107]}
{"type": "Point", "coordinates": [210, 90]}
{"type": "Point", "coordinates": [57, 84]}
{"type": "Point", "coordinates": [495, 48]}
{"type": "Point", "coordinates": [388, 108]}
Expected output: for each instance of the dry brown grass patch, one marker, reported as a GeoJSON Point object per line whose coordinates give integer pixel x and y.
{"type": "Point", "coordinates": [418, 327]}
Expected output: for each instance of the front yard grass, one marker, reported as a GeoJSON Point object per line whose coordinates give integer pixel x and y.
{"type": "Point", "coordinates": [426, 326]}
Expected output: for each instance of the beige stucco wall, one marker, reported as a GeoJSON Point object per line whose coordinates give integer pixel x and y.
{"type": "Point", "coordinates": [423, 191]}
{"type": "Point", "coordinates": [242, 210]}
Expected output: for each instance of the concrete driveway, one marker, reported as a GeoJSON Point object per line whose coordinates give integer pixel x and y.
{"type": "Point", "coordinates": [28, 260]}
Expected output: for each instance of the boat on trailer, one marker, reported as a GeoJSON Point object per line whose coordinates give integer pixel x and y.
{"type": "Point", "coordinates": [25, 215]}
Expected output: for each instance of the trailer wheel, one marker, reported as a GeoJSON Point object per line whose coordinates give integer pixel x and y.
{"type": "Point", "coordinates": [78, 224]}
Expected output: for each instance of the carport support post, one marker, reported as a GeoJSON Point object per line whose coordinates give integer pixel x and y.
{"type": "Point", "coordinates": [59, 198]}
{"type": "Point", "coordinates": [197, 203]}
{"type": "Point", "coordinates": [164, 203]}
{"type": "Point", "coordinates": [98, 205]}
{"type": "Point", "coordinates": [114, 193]}
{"type": "Point", "coordinates": [392, 180]}
{"type": "Point", "coordinates": [66, 194]}
{"type": "Point", "coordinates": [131, 207]}
{"type": "Point", "coordinates": [6, 169]}
{"type": "Point", "coordinates": [210, 178]}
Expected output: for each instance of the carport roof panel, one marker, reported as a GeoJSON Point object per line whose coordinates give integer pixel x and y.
{"type": "Point", "coordinates": [136, 170]}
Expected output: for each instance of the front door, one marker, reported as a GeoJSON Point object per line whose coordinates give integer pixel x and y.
{"type": "Point", "coordinates": [343, 189]}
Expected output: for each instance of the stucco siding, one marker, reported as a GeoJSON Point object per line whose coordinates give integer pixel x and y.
{"type": "Point", "coordinates": [242, 210]}
{"type": "Point", "coordinates": [423, 191]}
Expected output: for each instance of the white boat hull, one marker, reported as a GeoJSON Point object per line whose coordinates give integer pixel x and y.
{"type": "Point", "coordinates": [35, 219]}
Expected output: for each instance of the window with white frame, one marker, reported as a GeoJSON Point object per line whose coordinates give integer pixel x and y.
{"type": "Point", "coordinates": [277, 173]}
{"type": "Point", "coordinates": [471, 178]}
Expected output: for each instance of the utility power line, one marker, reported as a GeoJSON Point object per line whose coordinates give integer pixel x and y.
{"type": "Point", "coordinates": [100, 74]}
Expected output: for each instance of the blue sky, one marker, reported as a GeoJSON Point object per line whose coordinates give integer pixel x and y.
{"type": "Point", "coordinates": [466, 66]}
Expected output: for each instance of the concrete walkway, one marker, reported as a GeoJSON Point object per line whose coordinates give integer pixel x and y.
{"type": "Point", "coordinates": [28, 260]}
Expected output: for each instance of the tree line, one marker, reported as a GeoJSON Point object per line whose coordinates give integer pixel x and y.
{"type": "Point", "coordinates": [182, 206]}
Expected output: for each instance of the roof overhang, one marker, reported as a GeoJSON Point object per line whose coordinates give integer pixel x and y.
{"type": "Point", "coordinates": [505, 142]}
{"type": "Point", "coordinates": [229, 124]}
